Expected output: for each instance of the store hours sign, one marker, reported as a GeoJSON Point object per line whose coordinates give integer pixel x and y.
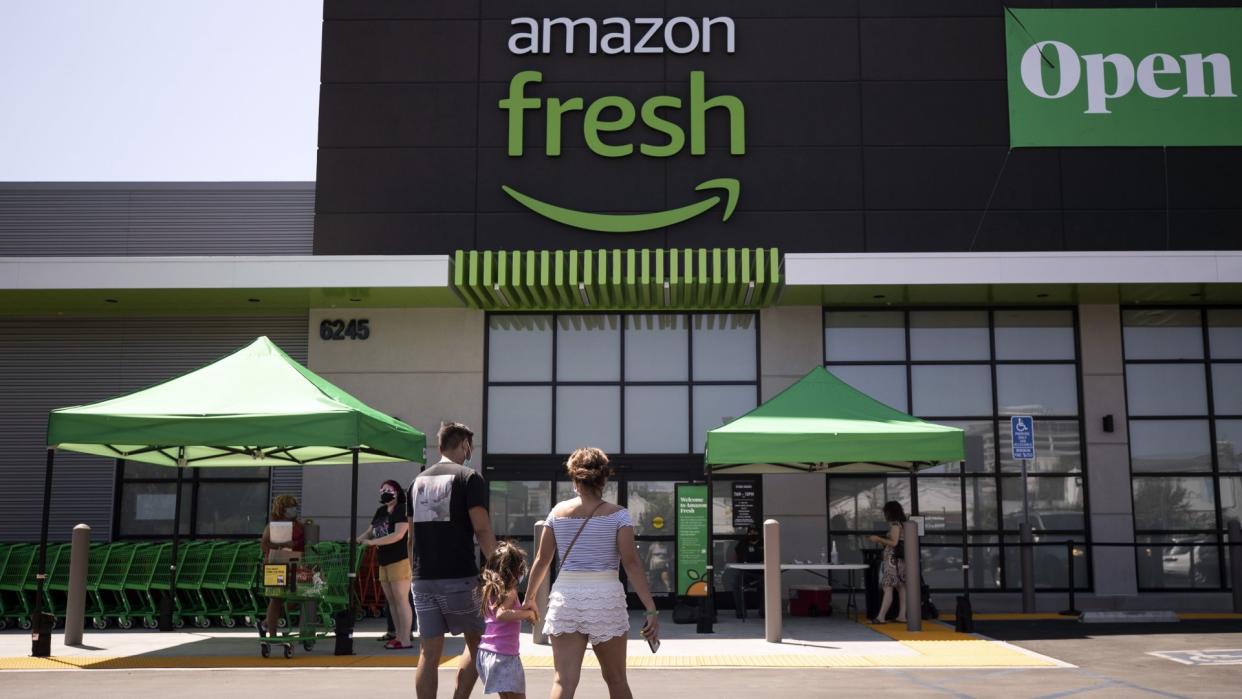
{"type": "Point", "coordinates": [615, 126]}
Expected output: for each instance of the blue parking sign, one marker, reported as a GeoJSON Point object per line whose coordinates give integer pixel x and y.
{"type": "Point", "coordinates": [1022, 430]}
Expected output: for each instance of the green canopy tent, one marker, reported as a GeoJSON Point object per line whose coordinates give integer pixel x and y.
{"type": "Point", "coordinates": [255, 407]}
{"type": "Point", "coordinates": [821, 424]}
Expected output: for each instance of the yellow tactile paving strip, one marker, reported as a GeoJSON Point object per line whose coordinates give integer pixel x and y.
{"type": "Point", "coordinates": [938, 646]}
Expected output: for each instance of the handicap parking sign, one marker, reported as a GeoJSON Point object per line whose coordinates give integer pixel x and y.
{"type": "Point", "coordinates": [1022, 430]}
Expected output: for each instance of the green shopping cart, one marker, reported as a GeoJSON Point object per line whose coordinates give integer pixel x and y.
{"type": "Point", "coordinates": [110, 598]}
{"type": "Point", "coordinates": [320, 576]}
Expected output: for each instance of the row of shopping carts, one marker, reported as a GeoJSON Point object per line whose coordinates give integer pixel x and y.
{"type": "Point", "coordinates": [218, 583]}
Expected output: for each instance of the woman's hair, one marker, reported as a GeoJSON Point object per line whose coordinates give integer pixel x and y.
{"type": "Point", "coordinates": [588, 467]}
{"type": "Point", "coordinates": [280, 504]}
{"type": "Point", "coordinates": [893, 512]}
{"type": "Point", "coordinates": [502, 572]}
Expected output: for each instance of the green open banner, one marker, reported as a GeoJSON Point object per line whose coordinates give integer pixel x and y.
{"type": "Point", "coordinates": [1124, 77]}
{"type": "Point", "coordinates": [692, 506]}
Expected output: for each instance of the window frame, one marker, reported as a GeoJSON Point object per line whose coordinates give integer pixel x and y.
{"type": "Point", "coordinates": [192, 480]}
{"type": "Point", "coordinates": [1009, 580]}
{"type": "Point", "coordinates": [1214, 474]}
{"type": "Point", "coordinates": [654, 463]}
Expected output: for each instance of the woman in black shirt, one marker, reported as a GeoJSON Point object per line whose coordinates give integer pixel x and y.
{"type": "Point", "coordinates": [389, 532]}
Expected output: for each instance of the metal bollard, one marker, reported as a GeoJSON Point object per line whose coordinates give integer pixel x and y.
{"type": "Point", "coordinates": [75, 608]}
{"type": "Point", "coordinates": [914, 581]}
{"type": "Point", "coordinates": [772, 581]}
{"type": "Point", "coordinates": [537, 635]}
{"type": "Point", "coordinates": [1069, 558]}
{"type": "Point", "coordinates": [1028, 569]}
{"type": "Point", "coordinates": [1235, 563]}
{"type": "Point", "coordinates": [310, 619]}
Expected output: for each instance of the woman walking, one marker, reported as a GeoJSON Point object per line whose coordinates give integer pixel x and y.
{"type": "Point", "coordinates": [389, 531]}
{"type": "Point", "coordinates": [587, 602]}
{"type": "Point", "coordinates": [893, 567]}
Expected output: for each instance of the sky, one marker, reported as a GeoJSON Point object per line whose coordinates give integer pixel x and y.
{"type": "Point", "coordinates": [159, 90]}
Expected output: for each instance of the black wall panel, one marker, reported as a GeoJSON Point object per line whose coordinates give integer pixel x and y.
{"type": "Point", "coordinates": [874, 125]}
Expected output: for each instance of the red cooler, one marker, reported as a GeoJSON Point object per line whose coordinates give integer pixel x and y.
{"type": "Point", "coordinates": [810, 600]}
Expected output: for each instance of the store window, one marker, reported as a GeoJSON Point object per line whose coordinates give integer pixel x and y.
{"type": "Point", "coordinates": [632, 384]}
{"type": "Point", "coordinates": [220, 502]}
{"type": "Point", "coordinates": [969, 368]}
{"type": "Point", "coordinates": [1183, 382]}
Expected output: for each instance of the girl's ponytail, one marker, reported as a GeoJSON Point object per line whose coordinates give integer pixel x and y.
{"type": "Point", "coordinates": [501, 573]}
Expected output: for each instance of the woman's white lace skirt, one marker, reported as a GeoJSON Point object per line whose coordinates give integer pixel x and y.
{"type": "Point", "coordinates": [592, 604]}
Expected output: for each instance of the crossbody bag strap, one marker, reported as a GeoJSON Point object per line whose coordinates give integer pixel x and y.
{"type": "Point", "coordinates": [580, 530]}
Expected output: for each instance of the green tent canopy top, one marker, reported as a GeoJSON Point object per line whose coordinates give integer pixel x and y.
{"type": "Point", "coordinates": [821, 423]}
{"type": "Point", "coordinates": [255, 407]}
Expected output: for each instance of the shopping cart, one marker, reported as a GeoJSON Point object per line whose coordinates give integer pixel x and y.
{"type": "Point", "coordinates": [17, 584]}
{"type": "Point", "coordinates": [214, 588]}
{"type": "Point", "coordinates": [98, 560]}
{"type": "Point", "coordinates": [370, 592]}
{"type": "Point", "coordinates": [110, 597]}
{"type": "Point", "coordinates": [243, 585]}
{"type": "Point", "coordinates": [320, 576]}
{"type": "Point", "coordinates": [56, 586]}
{"type": "Point", "coordinates": [190, 573]}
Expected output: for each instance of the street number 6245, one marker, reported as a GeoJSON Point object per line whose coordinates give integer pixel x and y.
{"type": "Point", "coordinates": [354, 329]}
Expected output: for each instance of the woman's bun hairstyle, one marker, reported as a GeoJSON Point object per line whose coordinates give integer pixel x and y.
{"type": "Point", "coordinates": [588, 467]}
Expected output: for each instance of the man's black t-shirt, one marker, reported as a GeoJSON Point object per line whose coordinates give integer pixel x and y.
{"type": "Point", "coordinates": [749, 552]}
{"type": "Point", "coordinates": [385, 523]}
{"type": "Point", "coordinates": [439, 503]}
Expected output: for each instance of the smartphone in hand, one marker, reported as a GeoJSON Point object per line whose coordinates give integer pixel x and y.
{"type": "Point", "coordinates": [653, 643]}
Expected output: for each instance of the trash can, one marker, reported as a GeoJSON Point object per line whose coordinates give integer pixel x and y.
{"type": "Point", "coordinates": [871, 580]}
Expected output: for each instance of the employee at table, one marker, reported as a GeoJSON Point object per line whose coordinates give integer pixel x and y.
{"type": "Point", "coordinates": [748, 550]}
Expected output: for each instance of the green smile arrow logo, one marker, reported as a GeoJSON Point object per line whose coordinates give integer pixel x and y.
{"type": "Point", "coordinates": [632, 223]}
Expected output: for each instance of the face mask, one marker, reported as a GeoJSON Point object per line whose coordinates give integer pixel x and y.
{"type": "Point", "coordinates": [291, 512]}
{"type": "Point", "coordinates": [466, 461]}
{"type": "Point", "coordinates": [387, 497]}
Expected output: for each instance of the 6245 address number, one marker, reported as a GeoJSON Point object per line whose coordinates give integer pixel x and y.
{"type": "Point", "coordinates": [345, 330]}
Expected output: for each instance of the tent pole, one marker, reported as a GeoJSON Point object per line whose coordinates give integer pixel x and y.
{"type": "Point", "coordinates": [708, 617]}
{"type": "Point", "coordinates": [41, 641]}
{"type": "Point", "coordinates": [170, 601]}
{"type": "Point", "coordinates": [353, 521]}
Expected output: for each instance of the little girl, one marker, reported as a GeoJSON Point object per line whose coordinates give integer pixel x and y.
{"type": "Point", "coordinates": [498, 659]}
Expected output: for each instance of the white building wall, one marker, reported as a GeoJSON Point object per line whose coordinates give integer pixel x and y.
{"type": "Point", "coordinates": [791, 344]}
{"type": "Point", "coordinates": [422, 365]}
{"type": "Point", "coordinates": [1108, 453]}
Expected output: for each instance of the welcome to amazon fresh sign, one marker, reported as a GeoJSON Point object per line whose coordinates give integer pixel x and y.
{"type": "Point", "coordinates": [614, 126]}
{"type": "Point", "coordinates": [1127, 77]}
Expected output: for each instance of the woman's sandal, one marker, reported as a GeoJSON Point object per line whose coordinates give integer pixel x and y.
{"type": "Point", "coordinates": [394, 644]}
{"type": "Point", "coordinates": [876, 622]}
{"type": "Point", "coordinates": [387, 637]}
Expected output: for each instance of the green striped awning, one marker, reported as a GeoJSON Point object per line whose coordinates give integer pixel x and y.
{"type": "Point", "coordinates": [700, 278]}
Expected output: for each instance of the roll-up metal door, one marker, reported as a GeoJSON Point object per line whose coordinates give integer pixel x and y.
{"type": "Point", "coordinates": [166, 218]}
{"type": "Point", "coordinates": [52, 363]}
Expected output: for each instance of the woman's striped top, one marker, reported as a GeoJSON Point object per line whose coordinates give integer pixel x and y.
{"type": "Point", "coordinates": [596, 549]}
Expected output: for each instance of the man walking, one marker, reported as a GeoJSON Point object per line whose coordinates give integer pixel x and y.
{"type": "Point", "coordinates": [448, 511]}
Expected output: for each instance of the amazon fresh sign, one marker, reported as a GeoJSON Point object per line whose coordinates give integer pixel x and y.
{"type": "Point", "coordinates": [615, 126]}
{"type": "Point", "coordinates": [1126, 77]}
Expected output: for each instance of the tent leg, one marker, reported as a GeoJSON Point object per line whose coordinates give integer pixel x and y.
{"type": "Point", "coordinates": [344, 620]}
{"type": "Point", "coordinates": [169, 601]}
{"type": "Point", "coordinates": [41, 638]}
{"type": "Point", "coordinates": [708, 616]}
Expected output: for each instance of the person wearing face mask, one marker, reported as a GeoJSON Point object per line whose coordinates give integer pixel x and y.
{"type": "Point", "coordinates": [448, 512]}
{"type": "Point", "coordinates": [284, 509]}
{"type": "Point", "coordinates": [748, 550]}
{"type": "Point", "coordinates": [388, 533]}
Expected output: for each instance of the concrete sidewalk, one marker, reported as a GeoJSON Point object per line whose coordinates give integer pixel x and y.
{"type": "Point", "coordinates": [808, 643]}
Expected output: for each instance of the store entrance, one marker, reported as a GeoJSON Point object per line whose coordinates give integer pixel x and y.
{"type": "Point", "coordinates": [651, 499]}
